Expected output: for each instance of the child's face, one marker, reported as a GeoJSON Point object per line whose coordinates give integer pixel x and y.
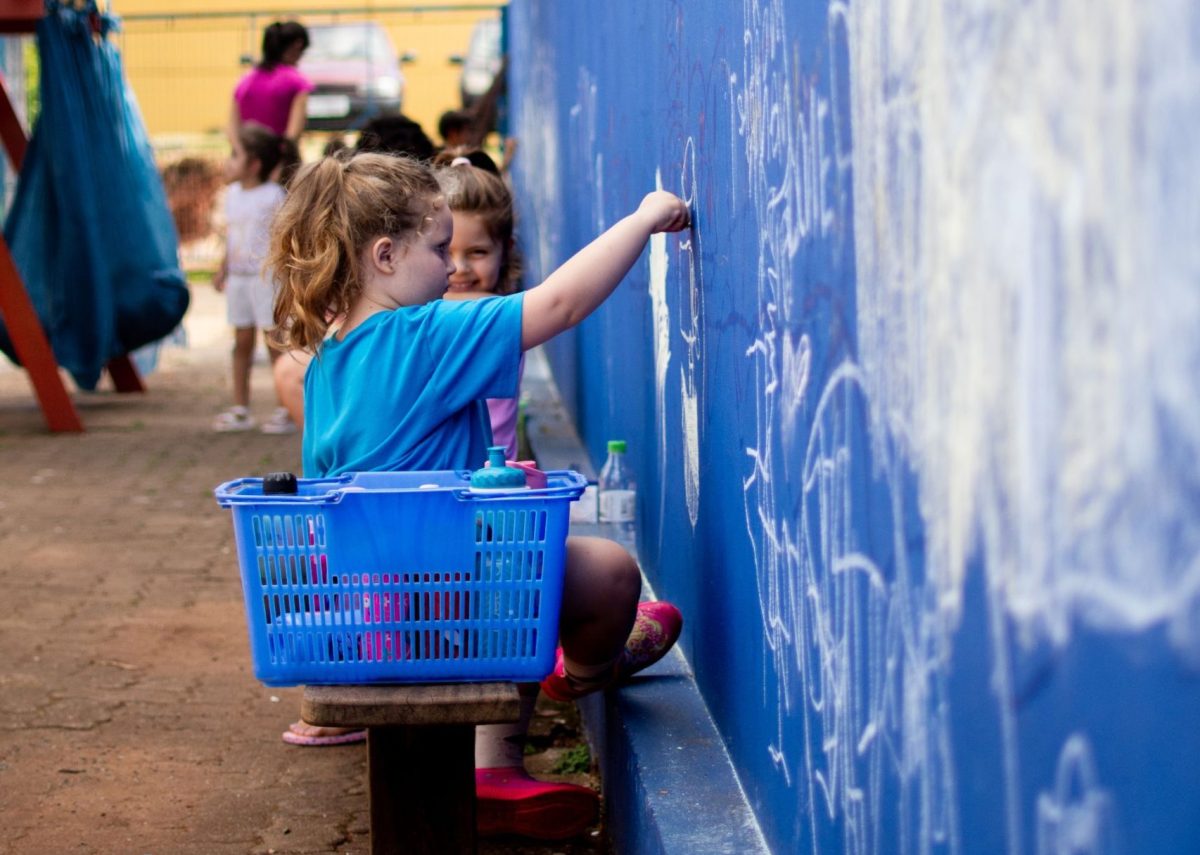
{"type": "Point", "coordinates": [240, 166]}
{"type": "Point", "coordinates": [477, 256]}
{"type": "Point", "coordinates": [416, 270]}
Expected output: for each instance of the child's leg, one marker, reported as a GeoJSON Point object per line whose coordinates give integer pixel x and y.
{"type": "Point", "coordinates": [289, 382]}
{"type": "Point", "coordinates": [289, 394]}
{"type": "Point", "coordinates": [600, 595]}
{"type": "Point", "coordinates": [244, 339]}
{"type": "Point", "coordinates": [600, 598]}
{"type": "Point", "coordinates": [606, 635]}
{"type": "Point", "coordinates": [500, 745]}
{"type": "Point", "coordinates": [509, 801]}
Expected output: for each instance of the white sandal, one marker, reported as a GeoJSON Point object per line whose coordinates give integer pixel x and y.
{"type": "Point", "coordinates": [234, 419]}
{"type": "Point", "coordinates": [280, 423]}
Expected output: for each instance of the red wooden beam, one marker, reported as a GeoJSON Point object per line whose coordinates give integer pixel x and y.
{"type": "Point", "coordinates": [124, 374]}
{"type": "Point", "coordinates": [20, 16]}
{"type": "Point", "coordinates": [11, 132]}
{"type": "Point", "coordinates": [24, 328]}
{"type": "Point", "coordinates": [33, 349]}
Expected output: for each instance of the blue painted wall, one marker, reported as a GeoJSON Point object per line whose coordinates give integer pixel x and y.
{"type": "Point", "coordinates": [915, 408]}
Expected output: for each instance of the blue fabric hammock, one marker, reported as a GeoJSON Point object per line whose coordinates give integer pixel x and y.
{"type": "Point", "coordinates": [89, 227]}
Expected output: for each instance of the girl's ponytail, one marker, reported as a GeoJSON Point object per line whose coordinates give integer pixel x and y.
{"type": "Point", "coordinates": [272, 45]}
{"type": "Point", "coordinates": [312, 255]}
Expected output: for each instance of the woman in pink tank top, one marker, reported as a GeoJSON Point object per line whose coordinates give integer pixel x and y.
{"type": "Point", "coordinates": [275, 93]}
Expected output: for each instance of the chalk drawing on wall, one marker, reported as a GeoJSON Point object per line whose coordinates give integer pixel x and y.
{"type": "Point", "coordinates": [858, 654]}
{"type": "Point", "coordinates": [660, 314]}
{"type": "Point", "coordinates": [1025, 300]}
{"type": "Point", "coordinates": [1007, 398]}
{"type": "Point", "coordinates": [1075, 818]}
{"type": "Point", "coordinates": [691, 328]}
{"type": "Point", "coordinates": [1026, 297]}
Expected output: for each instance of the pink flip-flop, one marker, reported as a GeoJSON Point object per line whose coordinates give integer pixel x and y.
{"type": "Point", "coordinates": [293, 738]}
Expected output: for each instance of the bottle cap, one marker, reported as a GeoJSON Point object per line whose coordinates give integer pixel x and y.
{"type": "Point", "coordinates": [279, 483]}
{"type": "Point", "coordinates": [617, 445]}
{"type": "Point", "coordinates": [496, 475]}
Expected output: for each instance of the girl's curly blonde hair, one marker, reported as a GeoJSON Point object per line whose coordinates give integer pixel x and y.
{"type": "Point", "coordinates": [334, 209]}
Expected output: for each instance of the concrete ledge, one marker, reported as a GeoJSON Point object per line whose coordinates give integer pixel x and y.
{"type": "Point", "coordinates": [669, 785]}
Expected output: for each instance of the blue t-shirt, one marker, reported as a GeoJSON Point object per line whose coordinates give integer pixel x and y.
{"type": "Point", "coordinates": [398, 392]}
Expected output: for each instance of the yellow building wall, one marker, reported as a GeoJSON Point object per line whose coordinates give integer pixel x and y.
{"type": "Point", "coordinates": [182, 57]}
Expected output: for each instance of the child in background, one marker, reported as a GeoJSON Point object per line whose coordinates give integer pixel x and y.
{"type": "Point", "coordinates": [454, 127]}
{"type": "Point", "coordinates": [486, 261]}
{"type": "Point", "coordinates": [393, 386]}
{"type": "Point", "coordinates": [250, 203]}
{"type": "Point", "coordinates": [192, 184]}
{"type": "Point", "coordinates": [477, 157]}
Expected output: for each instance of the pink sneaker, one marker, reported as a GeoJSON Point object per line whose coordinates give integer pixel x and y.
{"type": "Point", "coordinates": [509, 801]}
{"type": "Point", "coordinates": [655, 631]}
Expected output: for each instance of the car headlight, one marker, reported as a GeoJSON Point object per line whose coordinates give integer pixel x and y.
{"type": "Point", "coordinates": [385, 87]}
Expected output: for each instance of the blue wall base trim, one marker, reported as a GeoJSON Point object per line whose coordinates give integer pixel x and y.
{"type": "Point", "coordinates": [669, 785]}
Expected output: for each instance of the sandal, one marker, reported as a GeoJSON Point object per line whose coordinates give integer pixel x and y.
{"type": "Point", "coordinates": [655, 631]}
{"type": "Point", "coordinates": [280, 423]}
{"type": "Point", "coordinates": [312, 736]}
{"type": "Point", "coordinates": [234, 419]}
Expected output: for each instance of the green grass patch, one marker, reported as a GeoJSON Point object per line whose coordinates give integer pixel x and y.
{"type": "Point", "coordinates": [575, 760]}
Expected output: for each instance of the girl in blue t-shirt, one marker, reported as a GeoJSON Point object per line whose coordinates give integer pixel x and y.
{"type": "Point", "coordinates": [393, 386]}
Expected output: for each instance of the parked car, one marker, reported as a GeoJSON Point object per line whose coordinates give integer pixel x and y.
{"type": "Point", "coordinates": [481, 62]}
{"type": "Point", "coordinates": [356, 74]}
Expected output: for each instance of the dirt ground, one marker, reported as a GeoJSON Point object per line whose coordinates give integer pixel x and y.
{"type": "Point", "coordinates": [130, 721]}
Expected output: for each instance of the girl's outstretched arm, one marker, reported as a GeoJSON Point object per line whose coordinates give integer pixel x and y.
{"type": "Point", "coordinates": [573, 292]}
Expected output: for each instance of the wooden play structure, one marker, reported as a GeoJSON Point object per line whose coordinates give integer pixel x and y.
{"type": "Point", "coordinates": [16, 309]}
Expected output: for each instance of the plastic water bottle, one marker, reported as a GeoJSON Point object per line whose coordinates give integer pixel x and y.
{"type": "Point", "coordinates": [618, 496]}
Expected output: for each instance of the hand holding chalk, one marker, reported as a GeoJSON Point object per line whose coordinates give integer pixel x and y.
{"type": "Point", "coordinates": [664, 212]}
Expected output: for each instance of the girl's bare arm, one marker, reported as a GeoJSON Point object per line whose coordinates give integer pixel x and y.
{"type": "Point", "coordinates": [574, 291]}
{"type": "Point", "coordinates": [235, 122]}
{"type": "Point", "coordinates": [297, 116]}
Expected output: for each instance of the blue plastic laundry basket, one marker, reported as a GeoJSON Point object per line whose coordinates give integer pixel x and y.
{"type": "Point", "coordinates": [398, 577]}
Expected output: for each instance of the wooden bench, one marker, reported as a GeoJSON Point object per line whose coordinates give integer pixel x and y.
{"type": "Point", "coordinates": [420, 756]}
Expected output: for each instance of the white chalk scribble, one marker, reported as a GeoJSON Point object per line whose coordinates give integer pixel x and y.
{"type": "Point", "coordinates": [858, 653]}
{"type": "Point", "coordinates": [1076, 817]}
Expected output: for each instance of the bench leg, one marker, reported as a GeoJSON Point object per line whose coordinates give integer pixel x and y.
{"type": "Point", "coordinates": [421, 783]}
